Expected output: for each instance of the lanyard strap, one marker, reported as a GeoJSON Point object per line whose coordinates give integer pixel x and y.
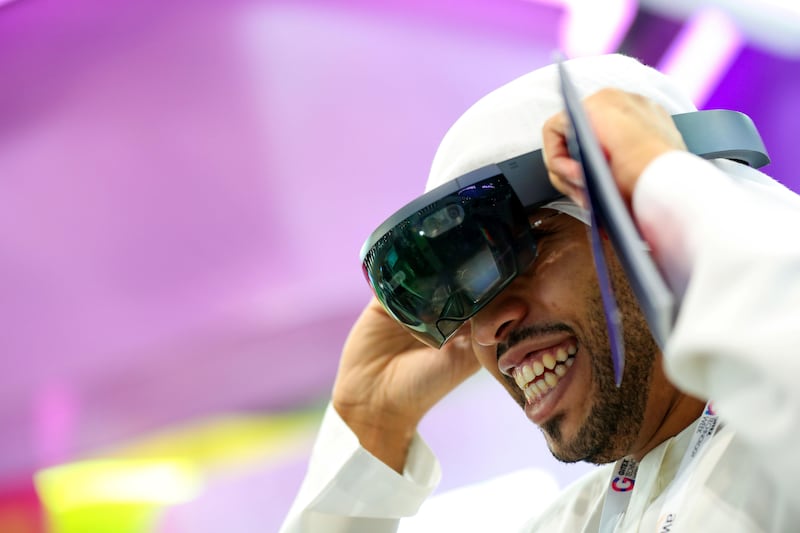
{"type": "Point", "coordinates": [618, 494]}
{"type": "Point", "coordinates": [623, 480]}
{"type": "Point", "coordinates": [706, 428]}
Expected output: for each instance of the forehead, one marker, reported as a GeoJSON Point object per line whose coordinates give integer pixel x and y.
{"type": "Point", "coordinates": [556, 222]}
{"type": "Point", "coordinates": [541, 214]}
{"type": "Point", "coordinates": [548, 212]}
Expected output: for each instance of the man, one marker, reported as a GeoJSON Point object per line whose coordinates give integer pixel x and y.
{"type": "Point", "coordinates": [721, 234]}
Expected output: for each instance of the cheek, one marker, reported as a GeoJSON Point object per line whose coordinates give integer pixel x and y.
{"type": "Point", "coordinates": [565, 276]}
{"type": "Point", "coordinates": [486, 357]}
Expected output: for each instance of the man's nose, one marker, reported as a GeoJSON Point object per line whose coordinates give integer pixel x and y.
{"type": "Point", "coordinates": [498, 319]}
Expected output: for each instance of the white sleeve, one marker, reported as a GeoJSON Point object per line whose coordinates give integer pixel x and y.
{"type": "Point", "coordinates": [347, 489]}
{"type": "Point", "coordinates": [730, 249]}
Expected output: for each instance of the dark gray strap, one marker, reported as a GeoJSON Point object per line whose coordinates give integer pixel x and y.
{"type": "Point", "coordinates": [722, 134]}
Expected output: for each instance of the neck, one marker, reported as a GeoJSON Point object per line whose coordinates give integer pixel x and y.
{"type": "Point", "coordinates": [682, 411]}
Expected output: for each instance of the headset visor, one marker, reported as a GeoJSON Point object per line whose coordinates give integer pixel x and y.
{"type": "Point", "coordinates": [446, 255]}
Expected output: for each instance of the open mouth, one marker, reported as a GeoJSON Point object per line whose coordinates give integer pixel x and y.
{"type": "Point", "coordinates": [540, 373]}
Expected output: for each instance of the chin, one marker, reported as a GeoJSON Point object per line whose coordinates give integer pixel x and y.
{"type": "Point", "coordinates": [575, 446]}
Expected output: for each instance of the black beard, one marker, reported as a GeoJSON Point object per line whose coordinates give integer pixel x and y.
{"type": "Point", "coordinates": [616, 417]}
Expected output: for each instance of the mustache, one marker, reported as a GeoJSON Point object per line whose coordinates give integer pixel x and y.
{"type": "Point", "coordinates": [529, 332]}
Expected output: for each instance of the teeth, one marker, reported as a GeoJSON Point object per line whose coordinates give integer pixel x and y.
{"type": "Point", "coordinates": [572, 349]}
{"type": "Point", "coordinates": [527, 373]}
{"type": "Point", "coordinates": [537, 378]}
{"type": "Point", "coordinates": [529, 395]}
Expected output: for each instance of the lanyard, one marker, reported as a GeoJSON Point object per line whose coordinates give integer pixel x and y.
{"type": "Point", "coordinates": [623, 480]}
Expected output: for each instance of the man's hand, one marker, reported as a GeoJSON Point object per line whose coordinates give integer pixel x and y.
{"type": "Point", "coordinates": [632, 132]}
{"type": "Point", "coordinates": [388, 380]}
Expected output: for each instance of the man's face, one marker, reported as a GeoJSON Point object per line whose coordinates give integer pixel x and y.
{"type": "Point", "coordinates": [545, 339]}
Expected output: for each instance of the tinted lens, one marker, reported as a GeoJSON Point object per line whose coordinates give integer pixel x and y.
{"type": "Point", "coordinates": [443, 263]}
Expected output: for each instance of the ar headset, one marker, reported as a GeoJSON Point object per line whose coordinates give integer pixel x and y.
{"type": "Point", "coordinates": [443, 256]}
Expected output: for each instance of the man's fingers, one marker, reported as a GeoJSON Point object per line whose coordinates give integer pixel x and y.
{"type": "Point", "coordinates": [565, 173]}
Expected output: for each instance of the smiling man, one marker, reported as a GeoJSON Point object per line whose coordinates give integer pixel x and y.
{"type": "Point", "coordinates": [492, 267]}
{"type": "Point", "coordinates": [544, 338]}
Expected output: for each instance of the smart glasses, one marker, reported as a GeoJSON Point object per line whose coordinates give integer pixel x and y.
{"type": "Point", "coordinates": [441, 258]}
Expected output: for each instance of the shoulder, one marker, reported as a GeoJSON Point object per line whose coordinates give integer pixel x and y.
{"type": "Point", "coordinates": [501, 503]}
{"type": "Point", "coordinates": [576, 507]}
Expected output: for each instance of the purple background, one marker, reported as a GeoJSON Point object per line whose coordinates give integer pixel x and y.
{"type": "Point", "coordinates": [184, 189]}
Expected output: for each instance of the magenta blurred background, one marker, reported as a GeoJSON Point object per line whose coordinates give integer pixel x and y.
{"type": "Point", "coordinates": [185, 187]}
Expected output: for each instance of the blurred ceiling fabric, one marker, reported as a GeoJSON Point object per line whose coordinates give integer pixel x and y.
{"type": "Point", "coordinates": [185, 187]}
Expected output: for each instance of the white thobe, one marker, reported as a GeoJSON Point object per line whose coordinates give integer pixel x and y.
{"type": "Point", "coordinates": [728, 241]}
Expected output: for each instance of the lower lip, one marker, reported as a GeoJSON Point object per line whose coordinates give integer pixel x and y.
{"type": "Point", "coordinates": [544, 408]}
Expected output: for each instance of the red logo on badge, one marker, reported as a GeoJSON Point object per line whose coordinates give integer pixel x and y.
{"type": "Point", "coordinates": [622, 484]}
